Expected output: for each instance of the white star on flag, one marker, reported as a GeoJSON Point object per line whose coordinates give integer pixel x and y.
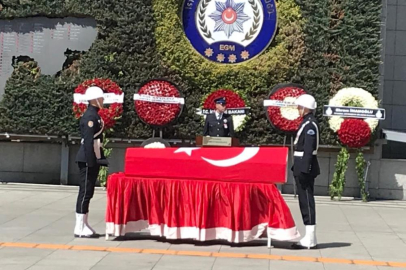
{"type": "Point", "coordinates": [187, 150]}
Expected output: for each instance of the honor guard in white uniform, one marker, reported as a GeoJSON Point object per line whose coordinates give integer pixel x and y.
{"type": "Point", "coordinates": [306, 167]}
{"type": "Point", "coordinates": [219, 124]}
{"type": "Point", "coordinates": [89, 158]}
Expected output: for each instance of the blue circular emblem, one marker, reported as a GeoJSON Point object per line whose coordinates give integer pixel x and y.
{"type": "Point", "coordinates": [229, 31]}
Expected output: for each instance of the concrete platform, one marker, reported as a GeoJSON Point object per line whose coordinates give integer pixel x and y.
{"type": "Point", "coordinates": [36, 232]}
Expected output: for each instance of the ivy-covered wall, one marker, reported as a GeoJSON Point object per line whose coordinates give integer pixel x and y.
{"type": "Point", "coordinates": [324, 44]}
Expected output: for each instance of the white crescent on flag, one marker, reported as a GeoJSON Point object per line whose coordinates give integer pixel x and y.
{"type": "Point", "coordinates": [246, 154]}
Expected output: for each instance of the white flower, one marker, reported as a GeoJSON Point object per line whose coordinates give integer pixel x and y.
{"type": "Point", "coordinates": [238, 121]}
{"type": "Point", "coordinates": [155, 145]}
{"type": "Point", "coordinates": [290, 113]}
{"type": "Point", "coordinates": [335, 123]}
{"type": "Point", "coordinates": [372, 123]}
{"type": "Point", "coordinates": [351, 95]}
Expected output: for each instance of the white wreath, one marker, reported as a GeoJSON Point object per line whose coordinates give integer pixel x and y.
{"type": "Point", "coordinates": [155, 145]}
{"type": "Point", "coordinates": [358, 95]}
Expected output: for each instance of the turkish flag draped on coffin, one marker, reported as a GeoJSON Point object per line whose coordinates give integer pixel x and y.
{"type": "Point", "coordinates": [202, 194]}
{"type": "Point", "coordinates": [250, 164]}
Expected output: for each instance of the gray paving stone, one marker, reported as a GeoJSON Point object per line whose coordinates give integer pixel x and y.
{"type": "Point", "coordinates": [240, 264]}
{"type": "Point", "coordinates": [380, 240]}
{"type": "Point", "coordinates": [194, 247]}
{"type": "Point", "coordinates": [331, 266]}
{"type": "Point", "coordinates": [14, 266]}
{"type": "Point", "coordinates": [286, 265]}
{"type": "Point", "coordinates": [128, 261]}
{"type": "Point", "coordinates": [47, 267]}
{"type": "Point", "coordinates": [349, 230]}
{"type": "Point", "coordinates": [184, 263]}
{"type": "Point", "coordinates": [341, 238]}
{"type": "Point", "coordinates": [57, 240]}
{"type": "Point", "coordinates": [72, 258]}
{"type": "Point", "coordinates": [21, 256]}
{"type": "Point", "coordinates": [389, 268]}
{"type": "Point", "coordinates": [355, 251]}
{"type": "Point", "coordinates": [118, 267]}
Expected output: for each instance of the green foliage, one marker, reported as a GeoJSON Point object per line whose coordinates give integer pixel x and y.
{"type": "Point", "coordinates": [33, 103]}
{"type": "Point", "coordinates": [343, 50]}
{"type": "Point", "coordinates": [360, 168]}
{"type": "Point", "coordinates": [254, 78]}
{"type": "Point", "coordinates": [338, 183]}
{"type": "Point", "coordinates": [104, 171]}
{"type": "Point", "coordinates": [324, 44]}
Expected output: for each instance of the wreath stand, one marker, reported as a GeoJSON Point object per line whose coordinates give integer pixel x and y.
{"type": "Point", "coordinates": [160, 133]}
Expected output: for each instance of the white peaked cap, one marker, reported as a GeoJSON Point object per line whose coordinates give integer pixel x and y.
{"type": "Point", "coordinates": [306, 101]}
{"type": "Point", "coordinates": [94, 92]}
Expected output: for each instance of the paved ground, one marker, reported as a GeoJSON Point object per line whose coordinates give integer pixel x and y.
{"type": "Point", "coordinates": [36, 224]}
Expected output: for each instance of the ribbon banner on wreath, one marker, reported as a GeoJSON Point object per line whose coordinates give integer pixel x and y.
{"type": "Point", "coordinates": [236, 106]}
{"type": "Point", "coordinates": [354, 116]}
{"type": "Point", "coordinates": [158, 102]}
{"type": "Point", "coordinates": [354, 112]}
{"type": "Point", "coordinates": [281, 110]}
{"type": "Point", "coordinates": [113, 96]}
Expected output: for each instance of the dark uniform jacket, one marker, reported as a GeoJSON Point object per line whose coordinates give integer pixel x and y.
{"type": "Point", "coordinates": [219, 128]}
{"type": "Point", "coordinates": [91, 128]}
{"type": "Point", "coordinates": [306, 146]}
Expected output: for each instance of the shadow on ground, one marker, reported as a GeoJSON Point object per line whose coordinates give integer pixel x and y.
{"type": "Point", "coordinates": [256, 243]}
{"type": "Point", "coordinates": [288, 245]}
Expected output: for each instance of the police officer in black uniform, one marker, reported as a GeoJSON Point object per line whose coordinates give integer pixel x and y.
{"type": "Point", "coordinates": [306, 167]}
{"type": "Point", "coordinates": [219, 124]}
{"type": "Point", "coordinates": [89, 158]}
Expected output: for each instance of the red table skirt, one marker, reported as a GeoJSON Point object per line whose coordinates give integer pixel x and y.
{"type": "Point", "coordinates": [200, 210]}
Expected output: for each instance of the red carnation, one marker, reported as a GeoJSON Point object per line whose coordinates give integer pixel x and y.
{"type": "Point", "coordinates": [274, 113]}
{"type": "Point", "coordinates": [158, 114]}
{"type": "Point", "coordinates": [110, 114]}
{"type": "Point", "coordinates": [354, 133]}
{"type": "Point", "coordinates": [233, 99]}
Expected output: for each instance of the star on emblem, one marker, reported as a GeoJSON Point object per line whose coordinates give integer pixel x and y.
{"type": "Point", "coordinates": [229, 17]}
{"type": "Point", "coordinates": [220, 57]}
{"type": "Point", "coordinates": [245, 55]}
{"type": "Point", "coordinates": [232, 58]}
{"type": "Point", "coordinates": [208, 52]}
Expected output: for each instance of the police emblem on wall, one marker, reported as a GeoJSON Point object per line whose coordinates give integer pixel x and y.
{"type": "Point", "coordinates": [230, 31]}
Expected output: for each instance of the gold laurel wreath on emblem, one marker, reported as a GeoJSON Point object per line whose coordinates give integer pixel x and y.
{"type": "Point", "coordinates": [202, 21]}
{"type": "Point", "coordinates": [255, 24]}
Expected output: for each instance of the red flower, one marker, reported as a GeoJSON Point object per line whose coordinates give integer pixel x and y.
{"type": "Point", "coordinates": [158, 114]}
{"type": "Point", "coordinates": [274, 113]}
{"type": "Point", "coordinates": [109, 115]}
{"type": "Point", "coordinates": [354, 133]}
{"type": "Point", "coordinates": [233, 99]}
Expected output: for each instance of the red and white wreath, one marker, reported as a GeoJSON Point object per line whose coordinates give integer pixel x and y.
{"type": "Point", "coordinates": [281, 110]}
{"type": "Point", "coordinates": [113, 96]}
{"type": "Point", "coordinates": [158, 102]}
{"type": "Point", "coordinates": [353, 132]}
{"type": "Point", "coordinates": [236, 106]}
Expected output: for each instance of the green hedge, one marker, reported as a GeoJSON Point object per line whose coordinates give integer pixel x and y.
{"type": "Point", "coordinates": [324, 44]}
